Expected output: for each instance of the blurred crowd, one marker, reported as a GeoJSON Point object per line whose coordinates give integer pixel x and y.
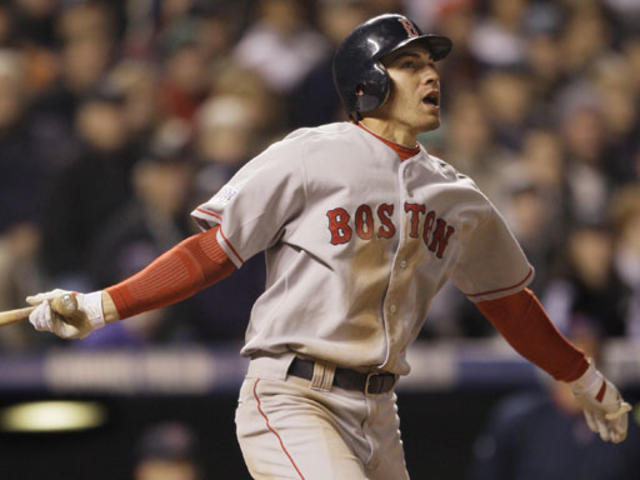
{"type": "Point", "coordinates": [118, 117]}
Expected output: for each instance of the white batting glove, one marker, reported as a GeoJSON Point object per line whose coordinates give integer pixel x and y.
{"type": "Point", "coordinates": [86, 319]}
{"type": "Point", "coordinates": [604, 409]}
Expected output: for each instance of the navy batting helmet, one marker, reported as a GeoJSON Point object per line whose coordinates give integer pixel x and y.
{"type": "Point", "coordinates": [359, 76]}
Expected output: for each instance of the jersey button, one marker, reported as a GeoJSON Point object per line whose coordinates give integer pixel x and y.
{"type": "Point", "coordinates": [403, 264]}
{"type": "Point", "coordinates": [393, 309]}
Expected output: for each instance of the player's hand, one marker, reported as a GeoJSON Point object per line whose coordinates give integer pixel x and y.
{"type": "Point", "coordinates": [605, 410]}
{"type": "Point", "coordinates": [88, 317]}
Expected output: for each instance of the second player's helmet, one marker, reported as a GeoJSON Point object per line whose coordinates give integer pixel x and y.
{"type": "Point", "coordinates": [359, 76]}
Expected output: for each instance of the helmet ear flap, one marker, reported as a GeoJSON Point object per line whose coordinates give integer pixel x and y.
{"type": "Point", "coordinates": [373, 92]}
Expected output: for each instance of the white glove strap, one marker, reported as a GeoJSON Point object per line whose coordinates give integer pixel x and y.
{"type": "Point", "coordinates": [91, 304]}
{"type": "Point", "coordinates": [587, 381]}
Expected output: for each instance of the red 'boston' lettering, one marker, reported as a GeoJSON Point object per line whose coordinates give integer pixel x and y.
{"type": "Point", "coordinates": [364, 222]}
{"type": "Point", "coordinates": [436, 233]}
{"type": "Point", "coordinates": [428, 225]}
{"type": "Point", "coordinates": [415, 210]}
{"type": "Point", "coordinates": [387, 229]}
{"type": "Point", "coordinates": [338, 225]}
{"type": "Point", "coordinates": [440, 238]}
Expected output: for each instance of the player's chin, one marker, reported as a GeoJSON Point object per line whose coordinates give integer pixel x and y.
{"type": "Point", "coordinates": [430, 122]}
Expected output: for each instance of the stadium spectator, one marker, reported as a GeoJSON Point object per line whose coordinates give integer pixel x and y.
{"type": "Point", "coordinates": [496, 39]}
{"type": "Point", "coordinates": [280, 45]}
{"type": "Point", "coordinates": [542, 434]}
{"type": "Point", "coordinates": [554, 107]}
{"type": "Point", "coordinates": [315, 101]}
{"type": "Point", "coordinates": [625, 213]}
{"type": "Point", "coordinates": [84, 194]}
{"type": "Point", "coordinates": [168, 451]}
{"type": "Point", "coordinates": [589, 288]}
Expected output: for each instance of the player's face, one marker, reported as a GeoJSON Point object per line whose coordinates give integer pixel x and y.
{"type": "Point", "coordinates": [414, 101]}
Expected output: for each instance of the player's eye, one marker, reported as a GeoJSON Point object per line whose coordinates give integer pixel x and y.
{"type": "Point", "coordinates": [407, 64]}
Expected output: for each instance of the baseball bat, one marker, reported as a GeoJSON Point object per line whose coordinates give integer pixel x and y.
{"type": "Point", "coordinates": [66, 305]}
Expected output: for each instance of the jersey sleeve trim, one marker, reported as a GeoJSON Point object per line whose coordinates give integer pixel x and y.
{"type": "Point", "coordinates": [206, 219]}
{"type": "Point", "coordinates": [231, 252]}
{"type": "Point", "coordinates": [522, 283]}
{"type": "Point", "coordinates": [209, 213]}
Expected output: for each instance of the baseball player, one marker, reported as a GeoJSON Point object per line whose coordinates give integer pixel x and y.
{"type": "Point", "coordinates": [361, 227]}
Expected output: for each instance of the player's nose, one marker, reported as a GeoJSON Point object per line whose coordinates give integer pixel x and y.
{"type": "Point", "coordinates": [430, 76]}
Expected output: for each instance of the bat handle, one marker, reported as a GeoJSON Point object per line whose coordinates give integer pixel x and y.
{"type": "Point", "coordinates": [65, 305]}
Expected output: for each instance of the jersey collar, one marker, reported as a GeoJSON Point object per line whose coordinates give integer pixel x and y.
{"type": "Point", "coordinates": [403, 151]}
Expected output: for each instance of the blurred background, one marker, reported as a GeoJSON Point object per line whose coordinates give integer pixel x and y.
{"type": "Point", "coordinates": [118, 117]}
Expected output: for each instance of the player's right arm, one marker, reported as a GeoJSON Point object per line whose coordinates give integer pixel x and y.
{"type": "Point", "coordinates": [195, 263]}
{"type": "Point", "coordinates": [251, 209]}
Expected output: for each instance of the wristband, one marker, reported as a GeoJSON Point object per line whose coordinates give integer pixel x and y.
{"type": "Point", "coordinates": [587, 381]}
{"type": "Point", "coordinates": [91, 304]}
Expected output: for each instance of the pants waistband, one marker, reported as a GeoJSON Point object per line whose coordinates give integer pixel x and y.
{"type": "Point", "coordinates": [279, 367]}
{"type": "Point", "coordinates": [370, 384]}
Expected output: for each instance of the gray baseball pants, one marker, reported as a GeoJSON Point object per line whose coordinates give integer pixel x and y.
{"type": "Point", "coordinates": [290, 428]}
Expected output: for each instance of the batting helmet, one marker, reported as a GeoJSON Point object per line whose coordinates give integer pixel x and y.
{"type": "Point", "coordinates": [360, 78]}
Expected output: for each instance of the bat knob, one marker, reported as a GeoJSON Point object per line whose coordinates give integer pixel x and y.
{"type": "Point", "coordinates": [66, 305]}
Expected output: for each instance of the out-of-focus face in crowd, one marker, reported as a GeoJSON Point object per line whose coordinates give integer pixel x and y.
{"type": "Point", "coordinates": [590, 254]}
{"type": "Point", "coordinates": [506, 96]}
{"type": "Point", "coordinates": [284, 16]}
{"type": "Point", "coordinates": [337, 19]}
{"type": "Point", "coordinates": [543, 156]}
{"type": "Point", "coordinates": [84, 62]}
{"type": "Point", "coordinates": [174, 9]}
{"type": "Point", "coordinates": [583, 39]}
{"type": "Point", "coordinates": [165, 470]}
{"type": "Point", "coordinates": [186, 68]}
{"type": "Point", "coordinates": [468, 131]}
{"type": "Point", "coordinates": [625, 212]}
{"type": "Point", "coordinates": [83, 20]}
{"type": "Point", "coordinates": [583, 134]}
{"type": "Point", "coordinates": [508, 12]}
{"type": "Point", "coordinates": [11, 89]}
{"type": "Point", "coordinates": [162, 186]}
{"type": "Point", "coordinates": [139, 83]}
{"type": "Point", "coordinates": [101, 124]}
{"type": "Point", "coordinates": [225, 128]}
{"type": "Point", "coordinates": [36, 8]}
{"type": "Point", "coordinates": [613, 80]}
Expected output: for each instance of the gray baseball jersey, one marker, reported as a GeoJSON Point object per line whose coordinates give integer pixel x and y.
{"type": "Point", "coordinates": [357, 244]}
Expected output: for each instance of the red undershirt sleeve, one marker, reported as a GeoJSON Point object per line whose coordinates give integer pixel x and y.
{"type": "Point", "coordinates": [522, 321]}
{"type": "Point", "coordinates": [190, 266]}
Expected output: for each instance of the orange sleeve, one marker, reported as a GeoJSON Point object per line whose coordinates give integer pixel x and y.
{"type": "Point", "coordinates": [190, 266]}
{"type": "Point", "coordinates": [522, 321]}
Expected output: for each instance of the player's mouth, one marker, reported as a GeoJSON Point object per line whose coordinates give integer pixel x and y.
{"type": "Point", "coordinates": [432, 99]}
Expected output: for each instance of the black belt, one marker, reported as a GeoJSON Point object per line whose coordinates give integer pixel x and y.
{"type": "Point", "coordinates": [372, 383]}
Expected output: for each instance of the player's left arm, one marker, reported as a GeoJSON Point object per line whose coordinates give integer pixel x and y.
{"type": "Point", "coordinates": [190, 266]}
{"type": "Point", "coordinates": [523, 322]}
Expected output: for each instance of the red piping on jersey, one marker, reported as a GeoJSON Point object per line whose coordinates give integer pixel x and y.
{"type": "Point", "coordinates": [403, 151]}
{"type": "Point", "coordinates": [207, 212]}
{"type": "Point", "coordinates": [501, 289]}
{"type": "Point", "coordinates": [272, 430]}
{"type": "Point", "coordinates": [602, 391]}
{"type": "Point", "coordinates": [226, 240]}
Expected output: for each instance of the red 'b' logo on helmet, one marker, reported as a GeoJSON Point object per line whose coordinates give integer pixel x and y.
{"type": "Point", "coordinates": [409, 27]}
